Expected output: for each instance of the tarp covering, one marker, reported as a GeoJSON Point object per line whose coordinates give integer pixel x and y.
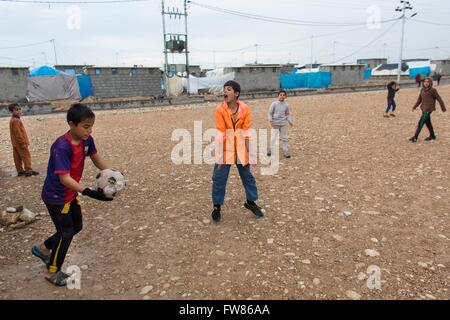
{"type": "Point", "coordinates": [419, 68]}
{"type": "Point", "coordinates": [46, 88]}
{"type": "Point", "coordinates": [419, 71]}
{"type": "Point", "coordinates": [212, 84]}
{"type": "Point", "coordinates": [85, 85]}
{"type": "Point", "coordinates": [311, 80]}
{"type": "Point", "coordinates": [45, 71]}
{"type": "Point", "coordinates": [367, 73]}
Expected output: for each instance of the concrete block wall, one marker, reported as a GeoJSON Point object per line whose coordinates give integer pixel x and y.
{"type": "Point", "coordinates": [256, 78]}
{"type": "Point", "coordinates": [442, 66]}
{"type": "Point", "coordinates": [13, 84]}
{"type": "Point", "coordinates": [345, 75]}
{"type": "Point", "coordinates": [146, 82]}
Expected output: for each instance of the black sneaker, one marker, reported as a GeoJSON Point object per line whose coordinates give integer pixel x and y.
{"type": "Point", "coordinates": [269, 154]}
{"type": "Point", "coordinates": [255, 209]}
{"type": "Point", "coordinates": [413, 139]}
{"type": "Point", "coordinates": [58, 279]}
{"type": "Point", "coordinates": [216, 214]}
{"type": "Point", "coordinates": [287, 157]}
{"type": "Point", "coordinates": [430, 138]}
{"type": "Point", "coordinates": [32, 173]}
{"type": "Point", "coordinates": [21, 174]}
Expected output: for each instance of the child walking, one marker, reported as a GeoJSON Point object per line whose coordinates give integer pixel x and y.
{"type": "Point", "coordinates": [392, 90]}
{"type": "Point", "coordinates": [61, 188]}
{"type": "Point", "coordinates": [279, 117]}
{"type": "Point", "coordinates": [427, 101]}
{"type": "Point", "coordinates": [233, 137]}
{"type": "Point", "coordinates": [20, 143]}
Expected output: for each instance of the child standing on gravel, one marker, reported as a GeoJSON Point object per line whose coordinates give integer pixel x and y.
{"type": "Point", "coordinates": [61, 188]}
{"type": "Point", "coordinates": [233, 147]}
{"type": "Point", "coordinates": [279, 117]}
{"type": "Point", "coordinates": [392, 90]}
{"type": "Point", "coordinates": [20, 143]}
{"type": "Point", "coordinates": [427, 101]}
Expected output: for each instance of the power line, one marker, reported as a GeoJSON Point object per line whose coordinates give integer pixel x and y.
{"type": "Point", "coordinates": [432, 23]}
{"type": "Point", "coordinates": [282, 20]}
{"type": "Point", "coordinates": [368, 44]}
{"type": "Point", "coordinates": [73, 2]}
{"type": "Point", "coordinates": [26, 45]}
{"type": "Point", "coordinates": [281, 43]}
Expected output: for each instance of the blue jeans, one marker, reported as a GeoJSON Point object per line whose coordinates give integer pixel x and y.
{"type": "Point", "coordinates": [220, 178]}
{"type": "Point", "coordinates": [391, 103]}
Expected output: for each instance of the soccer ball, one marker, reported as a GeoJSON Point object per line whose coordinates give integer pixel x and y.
{"type": "Point", "coordinates": [110, 182]}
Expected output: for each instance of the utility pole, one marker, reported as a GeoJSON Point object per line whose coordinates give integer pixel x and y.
{"type": "Point", "coordinates": [175, 42]}
{"type": "Point", "coordinates": [256, 53]}
{"type": "Point", "coordinates": [384, 50]}
{"type": "Point", "coordinates": [166, 62]}
{"type": "Point", "coordinates": [187, 48]}
{"type": "Point", "coordinates": [405, 5]}
{"type": "Point", "coordinates": [312, 38]}
{"type": "Point", "coordinates": [334, 51]}
{"type": "Point", "coordinates": [54, 51]}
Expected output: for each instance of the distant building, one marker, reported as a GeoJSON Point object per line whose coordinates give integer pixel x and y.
{"type": "Point", "coordinates": [109, 82]}
{"type": "Point", "coordinates": [257, 77]}
{"type": "Point", "coordinates": [442, 66]}
{"type": "Point", "coordinates": [13, 84]}
{"type": "Point", "coordinates": [372, 62]}
{"type": "Point", "coordinates": [194, 70]}
{"type": "Point", "coordinates": [345, 74]}
{"type": "Point", "coordinates": [73, 69]}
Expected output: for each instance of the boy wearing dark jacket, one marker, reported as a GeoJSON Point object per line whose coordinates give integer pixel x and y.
{"type": "Point", "coordinates": [392, 90]}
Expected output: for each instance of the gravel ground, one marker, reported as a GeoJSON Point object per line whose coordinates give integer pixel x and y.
{"type": "Point", "coordinates": [157, 241]}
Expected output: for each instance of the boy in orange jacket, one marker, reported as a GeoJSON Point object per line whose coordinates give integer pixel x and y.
{"type": "Point", "coordinates": [20, 143]}
{"type": "Point", "coordinates": [233, 137]}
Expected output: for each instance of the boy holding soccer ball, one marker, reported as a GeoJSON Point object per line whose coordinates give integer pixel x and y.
{"type": "Point", "coordinates": [61, 188]}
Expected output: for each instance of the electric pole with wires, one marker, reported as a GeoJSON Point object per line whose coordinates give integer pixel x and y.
{"type": "Point", "coordinates": [404, 5]}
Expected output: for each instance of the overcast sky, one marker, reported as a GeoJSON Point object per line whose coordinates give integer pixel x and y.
{"type": "Point", "coordinates": [131, 33]}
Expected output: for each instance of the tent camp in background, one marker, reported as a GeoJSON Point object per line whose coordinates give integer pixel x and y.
{"type": "Point", "coordinates": [410, 68]}
{"type": "Point", "coordinates": [46, 83]}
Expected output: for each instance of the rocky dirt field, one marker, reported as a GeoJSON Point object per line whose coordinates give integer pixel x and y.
{"type": "Point", "coordinates": [157, 241]}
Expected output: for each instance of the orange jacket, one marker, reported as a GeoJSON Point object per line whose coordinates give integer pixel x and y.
{"type": "Point", "coordinates": [231, 138]}
{"type": "Point", "coordinates": [18, 134]}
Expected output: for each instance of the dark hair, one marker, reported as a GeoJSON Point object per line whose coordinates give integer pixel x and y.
{"type": "Point", "coordinates": [233, 84]}
{"type": "Point", "coordinates": [79, 112]}
{"type": "Point", "coordinates": [12, 106]}
{"type": "Point", "coordinates": [282, 91]}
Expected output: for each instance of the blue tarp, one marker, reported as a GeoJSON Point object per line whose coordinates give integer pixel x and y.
{"type": "Point", "coordinates": [419, 71]}
{"type": "Point", "coordinates": [85, 85]}
{"type": "Point", "coordinates": [45, 71]}
{"type": "Point", "coordinates": [367, 73]}
{"type": "Point", "coordinates": [312, 80]}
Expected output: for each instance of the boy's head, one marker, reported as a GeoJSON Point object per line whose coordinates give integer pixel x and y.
{"type": "Point", "coordinates": [81, 120]}
{"type": "Point", "coordinates": [15, 109]}
{"type": "Point", "coordinates": [282, 95]}
{"type": "Point", "coordinates": [231, 91]}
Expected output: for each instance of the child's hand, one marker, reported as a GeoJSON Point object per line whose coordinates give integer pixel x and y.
{"type": "Point", "coordinates": [219, 166]}
{"type": "Point", "coordinates": [94, 194]}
